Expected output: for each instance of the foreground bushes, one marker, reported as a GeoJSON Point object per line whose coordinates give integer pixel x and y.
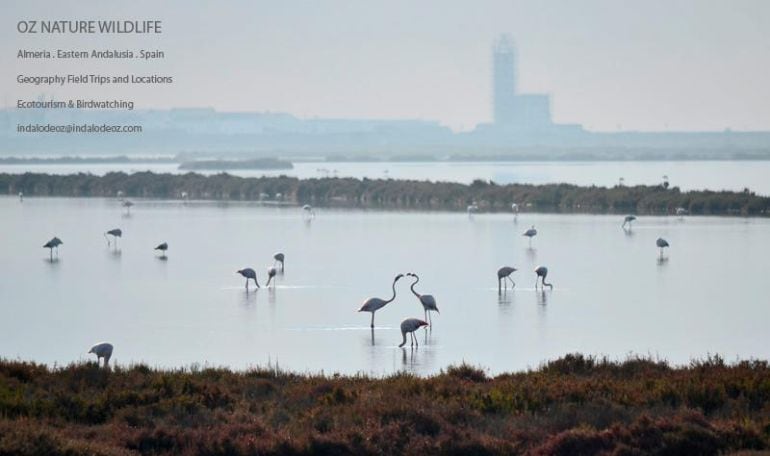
{"type": "Point", "coordinates": [573, 405]}
{"type": "Point", "coordinates": [391, 194]}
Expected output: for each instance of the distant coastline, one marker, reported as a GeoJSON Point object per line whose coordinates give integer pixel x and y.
{"type": "Point", "coordinates": [393, 194]}
{"type": "Point", "coordinates": [224, 165]}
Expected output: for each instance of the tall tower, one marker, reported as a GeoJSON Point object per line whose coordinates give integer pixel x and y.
{"type": "Point", "coordinates": [504, 80]}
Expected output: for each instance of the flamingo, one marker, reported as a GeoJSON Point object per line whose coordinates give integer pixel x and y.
{"type": "Point", "coordinates": [472, 209]}
{"type": "Point", "coordinates": [661, 243]}
{"type": "Point", "coordinates": [374, 304]}
{"type": "Point", "coordinates": [530, 233]}
{"type": "Point", "coordinates": [162, 247]}
{"type": "Point", "coordinates": [308, 210]}
{"type": "Point", "coordinates": [21, 197]}
{"type": "Point", "coordinates": [627, 220]}
{"type": "Point", "coordinates": [115, 233]}
{"type": "Point", "coordinates": [680, 211]}
{"type": "Point", "coordinates": [428, 301]}
{"type": "Point", "coordinates": [53, 244]}
{"type": "Point", "coordinates": [127, 204]}
{"type": "Point", "coordinates": [270, 274]}
{"type": "Point", "coordinates": [410, 325]}
{"type": "Point", "coordinates": [542, 271]}
{"type": "Point", "coordinates": [102, 350]}
{"type": "Point", "coordinates": [279, 257]}
{"type": "Point", "coordinates": [249, 274]}
{"type": "Point", "coordinates": [515, 210]}
{"type": "Point", "coordinates": [505, 273]}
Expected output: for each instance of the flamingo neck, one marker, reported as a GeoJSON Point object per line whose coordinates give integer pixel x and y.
{"type": "Point", "coordinates": [412, 287]}
{"type": "Point", "coordinates": [394, 292]}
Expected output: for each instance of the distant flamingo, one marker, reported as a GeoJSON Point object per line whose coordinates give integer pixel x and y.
{"type": "Point", "coordinates": [21, 197]}
{"type": "Point", "coordinates": [542, 272]}
{"type": "Point", "coordinates": [127, 204]}
{"type": "Point", "coordinates": [308, 209]}
{"type": "Point", "coordinates": [102, 351]}
{"type": "Point", "coordinates": [662, 244]}
{"type": "Point", "coordinates": [515, 210]}
{"type": "Point", "coordinates": [271, 272]}
{"type": "Point", "coordinates": [428, 301]}
{"type": "Point", "coordinates": [530, 233]}
{"type": "Point", "coordinates": [680, 211]}
{"type": "Point", "coordinates": [53, 244]}
{"type": "Point", "coordinates": [162, 247]}
{"type": "Point", "coordinates": [503, 274]}
{"type": "Point", "coordinates": [374, 304]}
{"type": "Point", "coordinates": [410, 325]}
{"type": "Point", "coordinates": [472, 209]}
{"type": "Point", "coordinates": [249, 274]}
{"type": "Point", "coordinates": [279, 257]}
{"type": "Point", "coordinates": [627, 220]}
{"type": "Point", "coordinates": [115, 233]}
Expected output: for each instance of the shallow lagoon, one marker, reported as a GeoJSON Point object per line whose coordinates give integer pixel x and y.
{"type": "Point", "coordinates": [612, 294]}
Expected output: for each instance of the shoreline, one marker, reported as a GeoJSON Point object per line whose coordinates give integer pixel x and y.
{"type": "Point", "coordinates": [387, 194]}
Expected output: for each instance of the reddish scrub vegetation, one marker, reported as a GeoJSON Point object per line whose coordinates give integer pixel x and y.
{"type": "Point", "coordinates": [574, 405]}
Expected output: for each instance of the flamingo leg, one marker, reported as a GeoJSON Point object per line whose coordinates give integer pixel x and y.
{"type": "Point", "coordinates": [372, 325]}
{"type": "Point", "coordinates": [513, 284]}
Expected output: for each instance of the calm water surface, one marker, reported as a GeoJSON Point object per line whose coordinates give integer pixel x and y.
{"type": "Point", "coordinates": [612, 295]}
{"type": "Point", "coordinates": [689, 175]}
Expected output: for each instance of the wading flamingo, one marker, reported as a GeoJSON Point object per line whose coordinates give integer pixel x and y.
{"type": "Point", "coordinates": [503, 274]}
{"type": "Point", "coordinates": [542, 272]}
{"type": "Point", "coordinates": [374, 304]}
{"type": "Point", "coordinates": [410, 325]}
{"type": "Point", "coordinates": [428, 301]}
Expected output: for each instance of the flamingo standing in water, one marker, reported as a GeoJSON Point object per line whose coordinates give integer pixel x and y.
{"type": "Point", "coordinates": [503, 274]}
{"type": "Point", "coordinates": [410, 325]}
{"type": "Point", "coordinates": [662, 244]}
{"type": "Point", "coordinates": [127, 204]}
{"type": "Point", "coordinates": [53, 244]}
{"type": "Point", "coordinates": [374, 304]}
{"type": "Point", "coordinates": [115, 233]}
{"type": "Point", "coordinates": [530, 233]}
{"type": "Point", "coordinates": [515, 209]}
{"type": "Point", "coordinates": [162, 247]}
{"type": "Point", "coordinates": [278, 257]}
{"type": "Point", "coordinates": [102, 350]}
{"type": "Point", "coordinates": [627, 221]}
{"type": "Point", "coordinates": [428, 301]}
{"type": "Point", "coordinates": [542, 272]}
{"type": "Point", "coordinates": [249, 274]}
{"type": "Point", "coordinates": [308, 209]}
{"type": "Point", "coordinates": [271, 272]}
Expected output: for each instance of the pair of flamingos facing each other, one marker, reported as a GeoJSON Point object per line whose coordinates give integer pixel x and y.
{"type": "Point", "coordinates": [409, 325]}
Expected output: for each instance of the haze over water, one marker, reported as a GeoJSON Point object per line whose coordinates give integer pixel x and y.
{"type": "Point", "coordinates": [612, 295]}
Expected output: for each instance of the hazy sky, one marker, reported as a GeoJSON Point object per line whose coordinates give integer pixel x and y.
{"type": "Point", "coordinates": [608, 64]}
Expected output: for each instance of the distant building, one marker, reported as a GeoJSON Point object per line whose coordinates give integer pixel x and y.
{"type": "Point", "coordinates": [512, 110]}
{"type": "Point", "coordinates": [503, 80]}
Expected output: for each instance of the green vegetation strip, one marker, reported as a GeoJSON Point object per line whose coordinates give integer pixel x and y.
{"type": "Point", "coordinates": [392, 194]}
{"type": "Point", "coordinates": [573, 405]}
